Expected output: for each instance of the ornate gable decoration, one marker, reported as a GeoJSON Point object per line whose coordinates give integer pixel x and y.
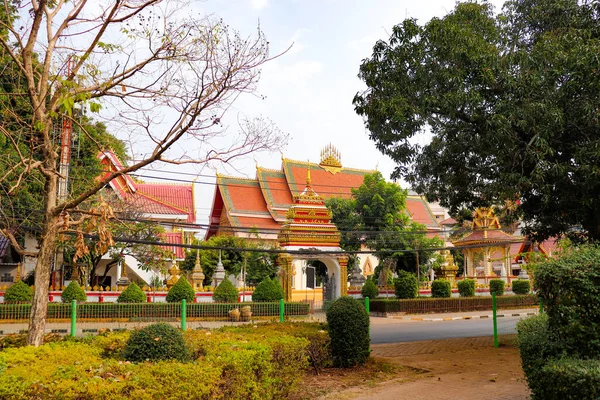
{"type": "Point", "coordinates": [331, 159]}
{"type": "Point", "coordinates": [485, 218]}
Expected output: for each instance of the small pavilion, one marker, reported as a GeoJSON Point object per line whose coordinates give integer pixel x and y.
{"type": "Point", "coordinates": [486, 246]}
{"type": "Point", "coordinates": [309, 227]}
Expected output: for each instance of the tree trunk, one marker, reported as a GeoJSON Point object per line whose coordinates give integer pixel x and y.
{"type": "Point", "coordinates": [43, 268]}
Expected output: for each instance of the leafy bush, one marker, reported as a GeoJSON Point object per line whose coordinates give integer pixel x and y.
{"type": "Point", "coordinates": [73, 292]}
{"type": "Point", "coordinates": [349, 332]}
{"type": "Point", "coordinates": [225, 292]}
{"type": "Point", "coordinates": [369, 290]}
{"type": "Point", "coordinates": [18, 292]}
{"type": "Point", "coordinates": [466, 288]}
{"type": "Point", "coordinates": [534, 346]}
{"type": "Point", "coordinates": [112, 344]}
{"type": "Point", "coordinates": [497, 287]}
{"type": "Point", "coordinates": [521, 286]}
{"type": "Point", "coordinates": [181, 290]}
{"type": "Point", "coordinates": [133, 294]}
{"type": "Point", "coordinates": [441, 288]}
{"type": "Point", "coordinates": [268, 290]}
{"type": "Point", "coordinates": [156, 342]}
{"type": "Point", "coordinates": [406, 285]}
{"type": "Point", "coordinates": [570, 290]}
{"type": "Point", "coordinates": [568, 379]}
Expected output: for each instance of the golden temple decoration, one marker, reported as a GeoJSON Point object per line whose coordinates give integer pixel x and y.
{"type": "Point", "coordinates": [331, 159]}
{"type": "Point", "coordinates": [174, 272]}
{"type": "Point", "coordinates": [485, 218]}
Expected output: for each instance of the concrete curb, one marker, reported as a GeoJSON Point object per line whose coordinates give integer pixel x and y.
{"type": "Point", "coordinates": [485, 316]}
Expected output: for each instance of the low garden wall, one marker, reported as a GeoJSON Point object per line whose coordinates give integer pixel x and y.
{"type": "Point", "coordinates": [148, 311]}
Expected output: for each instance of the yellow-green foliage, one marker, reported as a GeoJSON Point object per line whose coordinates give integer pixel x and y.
{"type": "Point", "coordinates": [265, 362]}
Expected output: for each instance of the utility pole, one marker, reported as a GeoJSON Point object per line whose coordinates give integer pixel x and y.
{"type": "Point", "coordinates": [65, 159]}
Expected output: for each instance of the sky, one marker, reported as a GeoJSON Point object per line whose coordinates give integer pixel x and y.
{"type": "Point", "coordinates": [308, 91]}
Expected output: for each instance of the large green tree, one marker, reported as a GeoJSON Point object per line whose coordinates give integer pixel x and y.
{"type": "Point", "coordinates": [512, 103]}
{"type": "Point", "coordinates": [376, 216]}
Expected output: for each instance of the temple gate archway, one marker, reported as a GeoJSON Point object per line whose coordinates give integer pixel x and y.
{"type": "Point", "coordinates": [309, 228]}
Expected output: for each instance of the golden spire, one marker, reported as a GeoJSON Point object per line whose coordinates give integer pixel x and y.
{"type": "Point", "coordinates": [331, 159]}
{"type": "Point", "coordinates": [308, 181]}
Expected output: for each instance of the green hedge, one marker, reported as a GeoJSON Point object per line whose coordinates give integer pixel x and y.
{"type": "Point", "coordinates": [268, 290]}
{"type": "Point", "coordinates": [18, 292]}
{"type": "Point", "coordinates": [369, 290]}
{"type": "Point", "coordinates": [150, 311]}
{"type": "Point", "coordinates": [454, 304]}
{"type": "Point", "coordinates": [441, 288]}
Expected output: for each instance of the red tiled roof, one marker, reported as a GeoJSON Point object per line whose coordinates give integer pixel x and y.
{"type": "Point", "coordinates": [259, 223]}
{"type": "Point", "coordinates": [176, 238]}
{"type": "Point", "coordinates": [549, 246]}
{"type": "Point", "coordinates": [492, 236]}
{"type": "Point", "coordinates": [150, 198]}
{"type": "Point", "coordinates": [449, 221]}
{"type": "Point", "coordinates": [242, 195]}
{"type": "Point", "coordinates": [324, 183]}
{"type": "Point", "coordinates": [420, 211]}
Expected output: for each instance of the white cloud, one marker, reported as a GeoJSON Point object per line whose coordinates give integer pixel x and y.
{"type": "Point", "coordinates": [259, 4]}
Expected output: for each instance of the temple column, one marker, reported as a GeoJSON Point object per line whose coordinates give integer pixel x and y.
{"type": "Point", "coordinates": [343, 275]}
{"type": "Point", "coordinates": [285, 275]}
{"type": "Point", "coordinates": [470, 267]}
{"type": "Point", "coordinates": [488, 264]}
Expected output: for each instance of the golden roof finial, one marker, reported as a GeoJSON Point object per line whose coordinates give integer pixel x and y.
{"type": "Point", "coordinates": [330, 159]}
{"type": "Point", "coordinates": [308, 180]}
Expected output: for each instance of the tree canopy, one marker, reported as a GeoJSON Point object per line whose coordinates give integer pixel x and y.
{"type": "Point", "coordinates": [512, 103]}
{"type": "Point", "coordinates": [376, 216]}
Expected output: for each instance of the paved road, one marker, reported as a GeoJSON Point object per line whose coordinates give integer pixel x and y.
{"type": "Point", "coordinates": [388, 330]}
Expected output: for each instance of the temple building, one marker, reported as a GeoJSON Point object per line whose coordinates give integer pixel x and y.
{"type": "Point", "coordinates": [259, 207]}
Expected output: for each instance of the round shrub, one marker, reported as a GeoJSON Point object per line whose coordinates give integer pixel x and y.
{"type": "Point", "coordinates": [156, 342]}
{"type": "Point", "coordinates": [497, 287]}
{"type": "Point", "coordinates": [466, 288]}
{"type": "Point", "coordinates": [369, 290]}
{"type": "Point", "coordinates": [18, 292]}
{"type": "Point", "coordinates": [73, 292]}
{"type": "Point", "coordinates": [181, 290]}
{"type": "Point", "coordinates": [349, 332]}
{"type": "Point", "coordinates": [441, 288]}
{"type": "Point", "coordinates": [521, 286]}
{"type": "Point", "coordinates": [133, 294]}
{"type": "Point", "coordinates": [225, 292]}
{"type": "Point", "coordinates": [268, 290]}
{"type": "Point", "coordinates": [406, 285]}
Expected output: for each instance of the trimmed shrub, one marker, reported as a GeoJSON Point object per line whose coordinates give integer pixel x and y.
{"type": "Point", "coordinates": [441, 288]}
{"type": "Point", "coordinates": [181, 290]}
{"type": "Point", "coordinates": [466, 288]}
{"type": "Point", "coordinates": [156, 342]}
{"type": "Point", "coordinates": [349, 331]}
{"type": "Point", "coordinates": [225, 292]}
{"type": "Point", "coordinates": [497, 287]}
{"type": "Point", "coordinates": [18, 292]}
{"type": "Point", "coordinates": [133, 294]}
{"type": "Point", "coordinates": [406, 285]}
{"type": "Point", "coordinates": [369, 290]}
{"type": "Point", "coordinates": [268, 290]}
{"type": "Point", "coordinates": [73, 292]}
{"type": "Point", "coordinates": [569, 289]}
{"type": "Point", "coordinates": [521, 286]}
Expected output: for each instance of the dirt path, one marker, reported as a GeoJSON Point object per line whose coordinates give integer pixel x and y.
{"type": "Point", "coordinates": [466, 368]}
